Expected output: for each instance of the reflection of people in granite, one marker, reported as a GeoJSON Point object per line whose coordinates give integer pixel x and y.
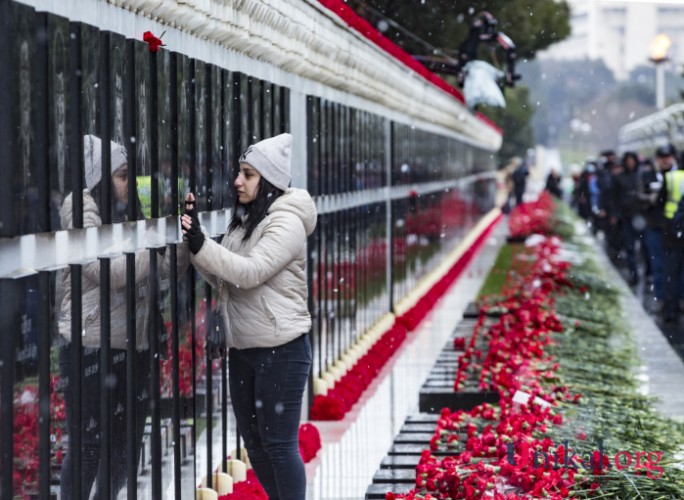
{"type": "Point", "coordinates": [90, 303]}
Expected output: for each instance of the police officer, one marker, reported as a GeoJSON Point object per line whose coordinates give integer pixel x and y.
{"type": "Point", "coordinates": [673, 238]}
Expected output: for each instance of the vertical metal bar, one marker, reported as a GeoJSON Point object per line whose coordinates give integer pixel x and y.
{"type": "Point", "coordinates": [237, 147]}
{"type": "Point", "coordinates": [44, 385]}
{"type": "Point", "coordinates": [104, 97]}
{"type": "Point", "coordinates": [286, 109]}
{"type": "Point", "coordinates": [209, 389]}
{"type": "Point", "coordinates": [154, 135]}
{"type": "Point", "coordinates": [224, 82]}
{"type": "Point", "coordinates": [131, 120]}
{"type": "Point", "coordinates": [8, 208]}
{"type": "Point", "coordinates": [192, 279]}
{"type": "Point", "coordinates": [192, 153]}
{"type": "Point", "coordinates": [256, 103]}
{"type": "Point", "coordinates": [224, 412]}
{"type": "Point", "coordinates": [173, 255]}
{"type": "Point", "coordinates": [155, 327]}
{"type": "Point", "coordinates": [244, 116]}
{"type": "Point", "coordinates": [76, 378]}
{"type": "Point", "coordinates": [105, 485]}
{"type": "Point", "coordinates": [329, 260]}
{"type": "Point", "coordinates": [173, 103]}
{"type": "Point", "coordinates": [193, 128]}
{"type": "Point", "coordinates": [235, 107]}
{"type": "Point", "coordinates": [43, 219]}
{"type": "Point", "coordinates": [389, 161]}
{"type": "Point", "coordinates": [131, 396]}
{"type": "Point", "coordinates": [41, 139]}
{"type": "Point", "coordinates": [208, 133]}
{"type": "Point", "coordinates": [8, 325]}
{"type": "Point", "coordinates": [250, 112]}
{"type": "Point", "coordinates": [238, 445]}
{"type": "Point", "coordinates": [175, 369]}
{"type": "Point", "coordinates": [75, 141]}
{"type": "Point", "coordinates": [311, 243]}
{"type": "Point", "coordinates": [311, 136]}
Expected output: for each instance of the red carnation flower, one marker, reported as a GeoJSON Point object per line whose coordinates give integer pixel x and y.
{"type": "Point", "coordinates": [153, 41]}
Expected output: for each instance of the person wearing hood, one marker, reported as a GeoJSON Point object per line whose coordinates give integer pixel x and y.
{"type": "Point", "coordinates": [91, 446]}
{"type": "Point", "coordinates": [259, 271]}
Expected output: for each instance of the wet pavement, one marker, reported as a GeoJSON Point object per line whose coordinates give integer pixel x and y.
{"type": "Point", "coordinates": [643, 291]}
{"type": "Point", "coordinates": [660, 345]}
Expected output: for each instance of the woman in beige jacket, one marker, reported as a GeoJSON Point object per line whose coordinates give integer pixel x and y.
{"type": "Point", "coordinates": [90, 323]}
{"type": "Point", "coordinates": [259, 270]}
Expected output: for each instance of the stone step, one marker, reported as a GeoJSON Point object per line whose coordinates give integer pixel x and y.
{"type": "Point", "coordinates": [417, 428]}
{"type": "Point", "coordinates": [394, 476]}
{"type": "Point", "coordinates": [400, 462]}
{"type": "Point", "coordinates": [432, 400]}
{"type": "Point", "coordinates": [413, 438]}
{"type": "Point", "coordinates": [422, 418]}
{"type": "Point", "coordinates": [378, 491]}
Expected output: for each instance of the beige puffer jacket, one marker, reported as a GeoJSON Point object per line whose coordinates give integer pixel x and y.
{"type": "Point", "coordinates": [90, 287]}
{"type": "Point", "coordinates": [264, 291]}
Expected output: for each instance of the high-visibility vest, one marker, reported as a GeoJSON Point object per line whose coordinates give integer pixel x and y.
{"type": "Point", "coordinates": [144, 186]}
{"type": "Point", "coordinates": [675, 189]}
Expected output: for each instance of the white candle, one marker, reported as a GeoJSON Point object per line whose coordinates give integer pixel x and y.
{"type": "Point", "coordinates": [329, 379]}
{"type": "Point", "coordinates": [205, 494]}
{"type": "Point", "coordinates": [243, 456]}
{"type": "Point", "coordinates": [320, 387]}
{"type": "Point", "coordinates": [237, 469]}
{"type": "Point", "coordinates": [221, 482]}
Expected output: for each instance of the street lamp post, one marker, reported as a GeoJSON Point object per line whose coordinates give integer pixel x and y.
{"type": "Point", "coordinates": [659, 48]}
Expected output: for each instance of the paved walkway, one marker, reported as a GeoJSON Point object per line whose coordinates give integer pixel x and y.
{"type": "Point", "coordinates": [662, 369]}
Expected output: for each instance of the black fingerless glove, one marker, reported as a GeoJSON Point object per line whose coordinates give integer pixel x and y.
{"type": "Point", "coordinates": [194, 235]}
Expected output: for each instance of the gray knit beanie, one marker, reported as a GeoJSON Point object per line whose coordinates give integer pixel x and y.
{"type": "Point", "coordinates": [92, 159]}
{"type": "Point", "coordinates": [272, 158]}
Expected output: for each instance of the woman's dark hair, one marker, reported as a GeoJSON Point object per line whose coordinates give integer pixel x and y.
{"type": "Point", "coordinates": [256, 210]}
{"type": "Point", "coordinates": [630, 154]}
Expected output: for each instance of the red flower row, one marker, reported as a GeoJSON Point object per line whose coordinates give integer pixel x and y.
{"type": "Point", "coordinates": [488, 441]}
{"type": "Point", "coordinates": [348, 390]}
{"type": "Point", "coordinates": [531, 218]}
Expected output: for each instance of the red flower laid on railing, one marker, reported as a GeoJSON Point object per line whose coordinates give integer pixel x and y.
{"type": "Point", "coordinates": [153, 42]}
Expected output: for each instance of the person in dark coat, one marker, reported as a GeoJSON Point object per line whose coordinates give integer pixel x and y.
{"type": "Point", "coordinates": [624, 203]}
{"type": "Point", "coordinates": [588, 194]}
{"type": "Point", "coordinates": [609, 209]}
{"type": "Point", "coordinates": [520, 182]}
{"type": "Point", "coordinates": [651, 205]}
{"type": "Point", "coordinates": [553, 184]}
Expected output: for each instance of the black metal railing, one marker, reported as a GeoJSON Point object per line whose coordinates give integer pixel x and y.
{"type": "Point", "coordinates": [140, 405]}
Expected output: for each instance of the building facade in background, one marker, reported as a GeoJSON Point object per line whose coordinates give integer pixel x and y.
{"type": "Point", "coordinates": [621, 32]}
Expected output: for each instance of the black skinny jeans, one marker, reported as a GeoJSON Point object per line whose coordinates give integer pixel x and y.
{"type": "Point", "coordinates": [90, 418]}
{"type": "Point", "coordinates": [266, 389]}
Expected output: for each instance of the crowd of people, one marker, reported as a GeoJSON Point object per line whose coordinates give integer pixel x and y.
{"type": "Point", "coordinates": [637, 204]}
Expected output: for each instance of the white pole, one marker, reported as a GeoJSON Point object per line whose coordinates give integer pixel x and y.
{"type": "Point", "coordinates": [660, 85]}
